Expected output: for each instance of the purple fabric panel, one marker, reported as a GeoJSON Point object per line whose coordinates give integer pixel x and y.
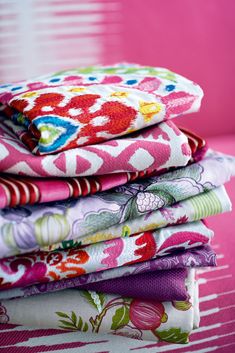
{"type": "Point", "coordinates": [163, 285]}
{"type": "Point", "coordinates": [197, 257]}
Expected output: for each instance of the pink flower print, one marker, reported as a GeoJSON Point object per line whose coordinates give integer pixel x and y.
{"type": "Point", "coordinates": [72, 80]}
{"type": "Point", "coordinates": [111, 79]}
{"type": "Point", "coordinates": [149, 84]}
{"type": "Point", "coordinates": [178, 103]}
{"type": "Point", "coordinates": [113, 251]}
{"type": "Point", "coordinates": [36, 85]}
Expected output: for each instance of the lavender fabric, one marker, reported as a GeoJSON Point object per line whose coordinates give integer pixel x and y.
{"type": "Point", "coordinates": [196, 257]}
{"type": "Point", "coordinates": [162, 285]}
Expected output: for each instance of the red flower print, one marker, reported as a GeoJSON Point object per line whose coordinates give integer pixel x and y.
{"type": "Point", "coordinates": [54, 258]}
{"type": "Point", "coordinates": [71, 263]}
{"type": "Point", "coordinates": [147, 248]}
{"type": "Point", "coordinates": [114, 117]}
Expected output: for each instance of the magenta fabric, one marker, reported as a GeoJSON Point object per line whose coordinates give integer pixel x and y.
{"type": "Point", "coordinates": [157, 147]}
{"type": "Point", "coordinates": [165, 285]}
{"type": "Point", "coordinates": [19, 190]}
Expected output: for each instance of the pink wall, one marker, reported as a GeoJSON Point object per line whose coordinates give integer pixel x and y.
{"type": "Point", "coordinates": [192, 37]}
{"type": "Point", "coordinates": [195, 38]}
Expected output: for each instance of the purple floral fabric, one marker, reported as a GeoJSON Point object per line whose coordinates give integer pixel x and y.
{"type": "Point", "coordinates": [197, 257]}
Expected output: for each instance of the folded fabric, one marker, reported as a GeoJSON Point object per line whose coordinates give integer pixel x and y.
{"type": "Point", "coordinates": [157, 147]}
{"type": "Point", "coordinates": [28, 228]}
{"type": "Point", "coordinates": [196, 257]}
{"type": "Point", "coordinates": [207, 204]}
{"type": "Point", "coordinates": [19, 190]}
{"type": "Point", "coordinates": [24, 270]}
{"type": "Point", "coordinates": [161, 285]}
{"type": "Point", "coordinates": [16, 190]}
{"type": "Point", "coordinates": [88, 311]}
{"type": "Point", "coordinates": [65, 110]}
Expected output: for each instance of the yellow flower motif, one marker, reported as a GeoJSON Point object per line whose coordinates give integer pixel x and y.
{"type": "Point", "coordinates": [149, 109]}
{"type": "Point", "coordinates": [97, 237]}
{"type": "Point", "coordinates": [77, 89]}
{"type": "Point", "coordinates": [120, 94]}
{"type": "Point", "coordinates": [29, 94]}
{"type": "Point", "coordinates": [151, 226]}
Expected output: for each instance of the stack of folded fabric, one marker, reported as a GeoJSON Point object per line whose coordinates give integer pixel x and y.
{"type": "Point", "coordinates": [103, 200]}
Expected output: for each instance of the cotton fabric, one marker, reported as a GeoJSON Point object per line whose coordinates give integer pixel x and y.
{"type": "Point", "coordinates": [99, 313]}
{"type": "Point", "coordinates": [156, 148]}
{"type": "Point", "coordinates": [17, 190]}
{"type": "Point", "coordinates": [68, 110]}
{"type": "Point", "coordinates": [29, 228]}
{"type": "Point", "coordinates": [40, 267]}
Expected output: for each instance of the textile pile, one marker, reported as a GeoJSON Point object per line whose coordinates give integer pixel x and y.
{"type": "Point", "coordinates": [103, 203]}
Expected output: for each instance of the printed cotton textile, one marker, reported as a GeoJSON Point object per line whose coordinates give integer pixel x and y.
{"type": "Point", "coordinates": [28, 228]}
{"type": "Point", "coordinates": [18, 190]}
{"type": "Point", "coordinates": [195, 257]}
{"type": "Point", "coordinates": [99, 313]}
{"type": "Point", "coordinates": [74, 108]}
{"type": "Point", "coordinates": [24, 270]}
{"type": "Point", "coordinates": [198, 207]}
{"type": "Point", "coordinates": [158, 147]}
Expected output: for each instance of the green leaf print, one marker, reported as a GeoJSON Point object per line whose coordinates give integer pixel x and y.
{"type": "Point", "coordinates": [88, 297]}
{"type": "Point", "coordinates": [94, 299]}
{"type": "Point", "coordinates": [174, 335]}
{"type": "Point", "coordinates": [61, 314]}
{"type": "Point", "coordinates": [79, 325]}
{"type": "Point", "coordinates": [120, 318]}
{"type": "Point", "coordinates": [74, 318]}
{"type": "Point", "coordinates": [68, 244]}
{"type": "Point", "coordinates": [67, 324]}
{"type": "Point", "coordinates": [85, 327]}
{"type": "Point", "coordinates": [72, 323]}
{"type": "Point", "coordinates": [102, 298]}
{"type": "Point", "coordinates": [127, 210]}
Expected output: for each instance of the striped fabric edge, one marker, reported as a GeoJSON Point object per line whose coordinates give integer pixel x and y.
{"type": "Point", "coordinates": [21, 191]}
{"type": "Point", "coordinates": [206, 204]}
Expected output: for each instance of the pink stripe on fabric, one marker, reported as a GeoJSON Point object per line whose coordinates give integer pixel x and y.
{"type": "Point", "coordinates": [59, 190]}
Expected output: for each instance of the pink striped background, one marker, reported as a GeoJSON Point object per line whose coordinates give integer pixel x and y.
{"type": "Point", "coordinates": [40, 36]}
